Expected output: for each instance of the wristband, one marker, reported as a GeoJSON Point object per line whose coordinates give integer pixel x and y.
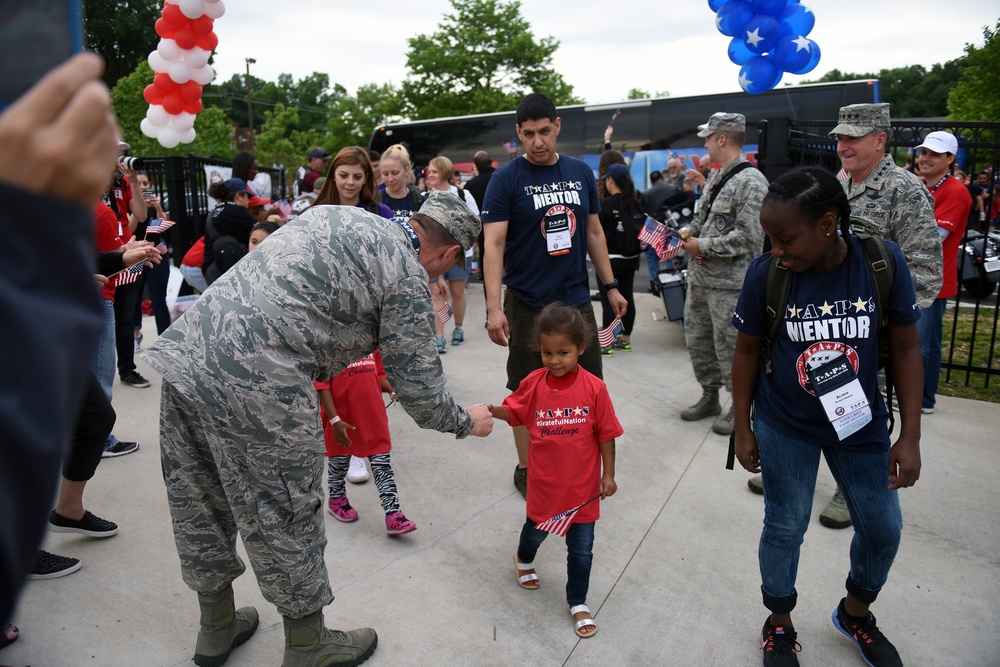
{"type": "Point", "coordinates": [334, 419]}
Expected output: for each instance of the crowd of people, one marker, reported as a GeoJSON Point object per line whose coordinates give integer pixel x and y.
{"type": "Point", "coordinates": [310, 316]}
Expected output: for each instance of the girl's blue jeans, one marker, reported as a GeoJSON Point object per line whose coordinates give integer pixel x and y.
{"type": "Point", "coordinates": [579, 543]}
{"type": "Point", "coordinates": [789, 468]}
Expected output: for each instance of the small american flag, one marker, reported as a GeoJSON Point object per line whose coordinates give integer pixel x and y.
{"type": "Point", "coordinates": [652, 233]}
{"type": "Point", "coordinates": [157, 225]}
{"type": "Point", "coordinates": [510, 147]}
{"type": "Point", "coordinates": [560, 523]}
{"type": "Point", "coordinates": [284, 207]}
{"type": "Point", "coordinates": [130, 275]}
{"type": "Point", "coordinates": [615, 115]}
{"type": "Point", "coordinates": [607, 336]}
{"type": "Point", "coordinates": [444, 314]}
{"type": "Point", "coordinates": [669, 247]}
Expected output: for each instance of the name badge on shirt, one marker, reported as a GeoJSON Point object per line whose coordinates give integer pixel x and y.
{"type": "Point", "coordinates": [840, 392]}
{"type": "Point", "coordinates": [558, 240]}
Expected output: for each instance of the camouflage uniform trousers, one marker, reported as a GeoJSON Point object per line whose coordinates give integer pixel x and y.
{"type": "Point", "coordinates": [268, 488]}
{"type": "Point", "coordinates": [710, 335]}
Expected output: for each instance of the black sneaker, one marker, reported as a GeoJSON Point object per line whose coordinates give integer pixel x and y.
{"type": "Point", "coordinates": [120, 448]}
{"type": "Point", "coordinates": [51, 566]}
{"type": "Point", "coordinates": [779, 645]}
{"type": "Point", "coordinates": [135, 380]}
{"type": "Point", "coordinates": [521, 480]}
{"type": "Point", "coordinates": [876, 650]}
{"type": "Point", "coordinates": [89, 525]}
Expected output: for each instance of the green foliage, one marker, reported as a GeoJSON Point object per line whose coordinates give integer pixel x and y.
{"type": "Point", "coordinates": [353, 118]}
{"type": "Point", "coordinates": [281, 143]}
{"type": "Point", "coordinates": [640, 94]}
{"type": "Point", "coordinates": [213, 129]}
{"type": "Point", "coordinates": [482, 58]}
{"type": "Point", "coordinates": [122, 32]}
{"type": "Point", "coordinates": [311, 96]}
{"type": "Point", "coordinates": [977, 95]}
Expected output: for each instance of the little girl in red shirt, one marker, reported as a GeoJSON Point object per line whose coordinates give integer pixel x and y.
{"type": "Point", "coordinates": [355, 423]}
{"type": "Point", "coordinates": [571, 455]}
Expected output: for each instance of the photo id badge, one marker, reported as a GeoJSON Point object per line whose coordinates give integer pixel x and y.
{"type": "Point", "coordinates": [558, 236]}
{"type": "Point", "coordinates": [840, 392]}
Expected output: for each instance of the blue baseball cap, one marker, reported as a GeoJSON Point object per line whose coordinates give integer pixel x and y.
{"type": "Point", "coordinates": [236, 186]}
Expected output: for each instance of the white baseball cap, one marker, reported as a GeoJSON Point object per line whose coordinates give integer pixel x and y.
{"type": "Point", "coordinates": [940, 142]}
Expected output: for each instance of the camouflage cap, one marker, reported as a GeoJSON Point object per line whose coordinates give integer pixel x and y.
{"type": "Point", "coordinates": [454, 215]}
{"type": "Point", "coordinates": [857, 120]}
{"type": "Point", "coordinates": [723, 122]}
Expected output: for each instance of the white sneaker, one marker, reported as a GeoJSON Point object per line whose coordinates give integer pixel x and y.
{"type": "Point", "coordinates": [358, 472]}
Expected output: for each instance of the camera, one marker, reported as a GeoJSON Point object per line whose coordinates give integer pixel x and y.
{"type": "Point", "coordinates": [130, 162]}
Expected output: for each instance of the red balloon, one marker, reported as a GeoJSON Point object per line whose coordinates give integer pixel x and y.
{"type": "Point", "coordinates": [163, 29]}
{"type": "Point", "coordinates": [152, 95]}
{"type": "Point", "coordinates": [189, 91]}
{"type": "Point", "coordinates": [202, 25]}
{"type": "Point", "coordinates": [165, 84]}
{"type": "Point", "coordinates": [194, 106]}
{"type": "Point", "coordinates": [173, 104]}
{"type": "Point", "coordinates": [209, 41]}
{"type": "Point", "coordinates": [173, 16]}
{"type": "Point", "coordinates": [185, 37]}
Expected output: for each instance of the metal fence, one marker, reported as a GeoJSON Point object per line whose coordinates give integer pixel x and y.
{"type": "Point", "coordinates": [785, 143]}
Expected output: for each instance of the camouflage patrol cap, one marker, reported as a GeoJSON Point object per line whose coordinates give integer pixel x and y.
{"type": "Point", "coordinates": [454, 215]}
{"type": "Point", "coordinates": [723, 122]}
{"type": "Point", "coordinates": [857, 120]}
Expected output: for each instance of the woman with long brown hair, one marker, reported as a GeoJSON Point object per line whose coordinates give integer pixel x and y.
{"type": "Point", "coordinates": [350, 181]}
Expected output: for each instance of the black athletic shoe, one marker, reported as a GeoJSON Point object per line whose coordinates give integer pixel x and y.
{"type": "Point", "coordinates": [120, 448]}
{"type": "Point", "coordinates": [135, 380]}
{"type": "Point", "coordinates": [876, 650]}
{"type": "Point", "coordinates": [90, 525]}
{"type": "Point", "coordinates": [521, 480]}
{"type": "Point", "coordinates": [779, 645]}
{"type": "Point", "coordinates": [52, 566]}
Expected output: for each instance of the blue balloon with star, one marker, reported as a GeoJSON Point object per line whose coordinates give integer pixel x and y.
{"type": "Point", "coordinates": [761, 34]}
{"type": "Point", "coordinates": [732, 17]}
{"type": "Point", "coordinates": [793, 53]}
{"type": "Point", "coordinates": [796, 19]}
{"type": "Point", "coordinates": [759, 75]}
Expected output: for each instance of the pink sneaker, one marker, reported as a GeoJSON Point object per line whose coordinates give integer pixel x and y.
{"type": "Point", "coordinates": [341, 509]}
{"type": "Point", "coordinates": [397, 524]}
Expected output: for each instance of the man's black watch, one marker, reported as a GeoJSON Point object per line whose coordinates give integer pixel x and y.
{"type": "Point", "coordinates": [610, 286]}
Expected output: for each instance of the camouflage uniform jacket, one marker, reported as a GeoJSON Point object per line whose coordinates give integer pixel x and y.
{"type": "Point", "coordinates": [730, 235]}
{"type": "Point", "coordinates": [896, 205]}
{"type": "Point", "coordinates": [323, 291]}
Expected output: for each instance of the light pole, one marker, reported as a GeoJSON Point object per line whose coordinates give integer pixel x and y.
{"type": "Point", "coordinates": [250, 61]}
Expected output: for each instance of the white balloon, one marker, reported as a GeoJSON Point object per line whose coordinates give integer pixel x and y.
{"type": "Point", "coordinates": [191, 8]}
{"type": "Point", "coordinates": [215, 9]}
{"type": "Point", "coordinates": [157, 62]}
{"type": "Point", "coordinates": [196, 57]}
{"type": "Point", "coordinates": [179, 72]}
{"type": "Point", "coordinates": [169, 50]}
{"type": "Point", "coordinates": [157, 115]}
{"type": "Point", "coordinates": [203, 75]}
{"type": "Point", "coordinates": [148, 128]}
{"type": "Point", "coordinates": [182, 122]}
{"type": "Point", "coordinates": [187, 136]}
{"type": "Point", "coordinates": [168, 137]}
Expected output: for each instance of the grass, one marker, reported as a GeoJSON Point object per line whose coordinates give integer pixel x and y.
{"type": "Point", "coordinates": [976, 388]}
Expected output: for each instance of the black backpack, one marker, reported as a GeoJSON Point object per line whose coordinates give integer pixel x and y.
{"type": "Point", "coordinates": [627, 241]}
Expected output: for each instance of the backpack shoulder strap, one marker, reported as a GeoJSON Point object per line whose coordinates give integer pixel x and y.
{"type": "Point", "coordinates": [882, 271]}
{"type": "Point", "coordinates": [721, 184]}
{"type": "Point", "coordinates": [777, 285]}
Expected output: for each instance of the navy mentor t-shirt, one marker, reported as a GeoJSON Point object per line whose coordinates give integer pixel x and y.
{"type": "Point", "coordinates": [829, 314]}
{"type": "Point", "coordinates": [524, 194]}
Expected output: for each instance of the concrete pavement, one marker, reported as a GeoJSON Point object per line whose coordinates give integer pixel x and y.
{"type": "Point", "coordinates": [675, 579]}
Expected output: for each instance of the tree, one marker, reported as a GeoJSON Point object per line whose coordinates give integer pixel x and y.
{"type": "Point", "coordinates": [213, 129]}
{"type": "Point", "coordinates": [483, 58]}
{"type": "Point", "coordinates": [640, 94]}
{"type": "Point", "coordinates": [280, 143]}
{"type": "Point", "coordinates": [122, 32]}
{"type": "Point", "coordinates": [977, 94]}
{"type": "Point", "coordinates": [353, 118]}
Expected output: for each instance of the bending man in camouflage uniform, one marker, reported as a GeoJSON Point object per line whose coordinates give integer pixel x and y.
{"type": "Point", "coordinates": [726, 236]}
{"type": "Point", "coordinates": [240, 437]}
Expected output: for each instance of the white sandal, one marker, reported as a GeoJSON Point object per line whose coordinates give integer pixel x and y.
{"type": "Point", "coordinates": [583, 622]}
{"type": "Point", "coordinates": [524, 579]}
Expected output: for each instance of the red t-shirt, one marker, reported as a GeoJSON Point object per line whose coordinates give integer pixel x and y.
{"type": "Point", "coordinates": [567, 418]}
{"type": "Point", "coordinates": [195, 256]}
{"type": "Point", "coordinates": [122, 195]}
{"type": "Point", "coordinates": [357, 393]}
{"type": "Point", "coordinates": [952, 203]}
{"type": "Point", "coordinates": [107, 240]}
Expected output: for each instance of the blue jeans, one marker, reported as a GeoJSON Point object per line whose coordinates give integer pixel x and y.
{"type": "Point", "coordinates": [789, 467]}
{"type": "Point", "coordinates": [653, 262]}
{"type": "Point", "coordinates": [104, 359]}
{"type": "Point", "coordinates": [580, 545]}
{"type": "Point", "coordinates": [929, 329]}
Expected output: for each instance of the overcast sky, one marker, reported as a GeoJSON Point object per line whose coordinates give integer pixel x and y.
{"type": "Point", "coordinates": [669, 45]}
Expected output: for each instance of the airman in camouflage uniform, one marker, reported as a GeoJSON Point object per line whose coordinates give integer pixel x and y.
{"type": "Point", "coordinates": [240, 433]}
{"type": "Point", "coordinates": [726, 236]}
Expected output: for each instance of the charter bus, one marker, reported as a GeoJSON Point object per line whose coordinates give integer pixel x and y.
{"type": "Point", "coordinates": [648, 132]}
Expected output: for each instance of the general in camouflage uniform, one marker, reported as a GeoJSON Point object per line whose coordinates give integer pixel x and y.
{"type": "Point", "coordinates": [727, 235]}
{"type": "Point", "coordinates": [240, 433]}
{"type": "Point", "coordinates": [892, 202]}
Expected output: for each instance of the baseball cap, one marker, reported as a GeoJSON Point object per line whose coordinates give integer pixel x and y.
{"type": "Point", "coordinates": [616, 170]}
{"type": "Point", "coordinates": [122, 146]}
{"type": "Point", "coordinates": [454, 215]}
{"type": "Point", "coordinates": [723, 122]}
{"type": "Point", "coordinates": [258, 201]}
{"type": "Point", "coordinates": [237, 185]}
{"type": "Point", "coordinates": [317, 152]}
{"type": "Point", "coordinates": [940, 142]}
{"type": "Point", "coordinates": [857, 120]}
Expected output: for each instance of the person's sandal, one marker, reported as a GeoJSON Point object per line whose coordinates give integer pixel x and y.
{"type": "Point", "coordinates": [578, 626]}
{"type": "Point", "coordinates": [524, 580]}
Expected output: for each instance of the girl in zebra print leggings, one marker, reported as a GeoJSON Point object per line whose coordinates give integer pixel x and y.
{"type": "Point", "coordinates": [354, 423]}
